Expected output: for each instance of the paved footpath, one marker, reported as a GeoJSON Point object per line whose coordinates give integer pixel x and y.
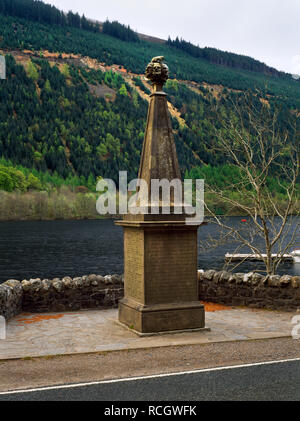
{"type": "Point", "coordinates": [33, 335]}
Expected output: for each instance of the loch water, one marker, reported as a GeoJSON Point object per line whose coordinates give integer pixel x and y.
{"type": "Point", "coordinates": [48, 249]}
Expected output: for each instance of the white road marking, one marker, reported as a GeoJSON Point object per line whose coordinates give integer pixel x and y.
{"type": "Point", "coordinates": [130, 379]}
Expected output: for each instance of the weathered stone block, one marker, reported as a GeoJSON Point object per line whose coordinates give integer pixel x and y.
{"type": "Point", "coordinates": [239, 278]}
{"type": "Point", "coordinates": [209, 274]}
{"type": "Point", "coordinates": [256, 279]}
{"type": "Point", "coordinates": [274, 280]}
{"type": "Point", "coordinates": [295, 282]}
{"type": "Point", "coordinates": [11, 295]}
{"type": "Point", "coordinates": [224, 278]}
{"type": "Point", "coordinates": [285, 280]}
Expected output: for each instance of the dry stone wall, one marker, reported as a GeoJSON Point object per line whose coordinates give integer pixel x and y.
{"type": "Point", "coordinates": [11, 295]}
{"type": "Point", "coordinates": [250, 289]}
{"type": "Point", "coordinates": [67, 294]}
{"type": "Point", "coordinates": [96, 291]}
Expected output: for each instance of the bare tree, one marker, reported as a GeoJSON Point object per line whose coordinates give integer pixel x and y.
{"type": "Point", "coordinates": [255, 144]}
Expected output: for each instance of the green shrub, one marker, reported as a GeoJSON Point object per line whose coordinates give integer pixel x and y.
{"type": "Point", "coordinates": [12, 179]}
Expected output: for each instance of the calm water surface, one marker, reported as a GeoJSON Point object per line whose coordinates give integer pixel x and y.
{"type": "Point", "coordinates": [47, 249]}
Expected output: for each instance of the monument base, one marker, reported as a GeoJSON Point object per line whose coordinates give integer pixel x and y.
{"type": "Point", "coordinates": [149, 319]}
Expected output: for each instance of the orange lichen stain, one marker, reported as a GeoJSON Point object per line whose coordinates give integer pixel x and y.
{"type": "Point", "coordinates": [40, 318]}
{"type": "Point", "coordinates": [214, 306]}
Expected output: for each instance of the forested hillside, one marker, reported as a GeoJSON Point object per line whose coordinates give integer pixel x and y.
{"type": "Point", "coordinates": [22, 34]}
{"type": "Point", "coordinates": [74, 103]}
{"type": "Point", "coordinates": [45, 13]}
{"type": "Point", "coordinates": [224, 58]}
{"type": "Point", "coordinates": [51, 120]}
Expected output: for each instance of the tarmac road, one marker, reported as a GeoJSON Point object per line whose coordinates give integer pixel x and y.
{"type": "Point", "coordinates": [277, 380]}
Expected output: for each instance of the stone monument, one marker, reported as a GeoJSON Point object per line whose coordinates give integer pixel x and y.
{"type": "Point", "coordinates": [160, 250]}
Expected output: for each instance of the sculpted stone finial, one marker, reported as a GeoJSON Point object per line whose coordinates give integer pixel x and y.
{"type": "Point", "coordinates": [157, 72]}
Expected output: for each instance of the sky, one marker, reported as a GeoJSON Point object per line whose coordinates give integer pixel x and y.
{"type": "Point", "coordinates": [267, 30]}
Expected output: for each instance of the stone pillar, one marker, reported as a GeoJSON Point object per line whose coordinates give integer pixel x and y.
{"type": "Point", "coordinates": [160, 251]}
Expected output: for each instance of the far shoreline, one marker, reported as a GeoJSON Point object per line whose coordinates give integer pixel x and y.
{"type": "Point", "coordinates": [113, 217]}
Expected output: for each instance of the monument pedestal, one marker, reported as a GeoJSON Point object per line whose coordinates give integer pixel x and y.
{"type": "Point", "coordinates": [161, 318]}
{"type": "Point", "coordinates": [160, 277]}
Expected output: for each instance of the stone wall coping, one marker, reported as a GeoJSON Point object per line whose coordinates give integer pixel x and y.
{"type": "Point", "coordinates": [250, 278]}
